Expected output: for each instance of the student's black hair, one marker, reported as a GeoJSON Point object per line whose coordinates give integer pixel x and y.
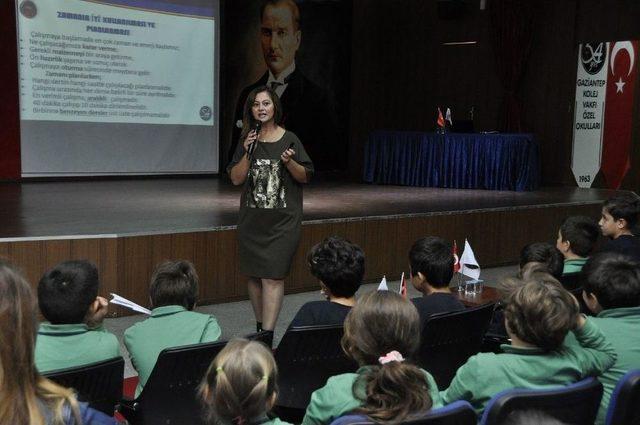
{"type": "Point", "coordinates": [613, 278]}
{"type": "Point", "coordinates": [174, 283]}
{"type": "Point", "coordinates": [433, 257]}
{"type": "Point", "coordinates": [625, 206]}
{"type": "Point", "coordinates": [339, 264]}
{"type": "Point", "coordinates": [582, 233]}
{"type": "Point", "coordinates": [66, 292]}
{"type": "Point", "coordinates": [543, 252]}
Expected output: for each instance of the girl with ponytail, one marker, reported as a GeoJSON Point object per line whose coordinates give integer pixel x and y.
{"type": "Point", "coordinates": [381, 333]}
{"type": "Point", "coordinates": [240, 385]}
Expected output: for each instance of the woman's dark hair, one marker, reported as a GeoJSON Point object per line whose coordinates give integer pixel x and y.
{"type": "Point", "coordinates": [248, 121]}
{"type": "Point", "coordinates": [339, 264]}
{"type": "Point", "coordinates": [625, 207]}
{"type": "Point", "coordinates": [543, 252]}
{"type": "Point", "coordinates": [541, 312]}
{"type": "Point", "coordinates": [382, 322]}
{"type": "Point", "coordinates": [174, 283]}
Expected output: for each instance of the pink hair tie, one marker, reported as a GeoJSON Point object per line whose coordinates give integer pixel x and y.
{"type": "Point", "coordinates": [392, 356]}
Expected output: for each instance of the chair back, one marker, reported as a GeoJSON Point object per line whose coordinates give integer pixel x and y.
{"type": "Point", "coordinates": [306, 357]}
{"type": "Point", "coordinates": [571, 281]}
{"type": "Point", "coordinates": [625, 399]}
{"type": "Point", "coordinates": [574, 404]}
{"type": "Point", "coordinates": [99, 384]}
{"type": "Point", "coordinates": [170, 394]}
{"type": "Point", "coordinates": [449, 339]}
{"type": "Point", "coordinates": [457, 413]}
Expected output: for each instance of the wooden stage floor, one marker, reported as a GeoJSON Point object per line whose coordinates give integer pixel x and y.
{"type": "Point", "coordinates": [179, 205]}
{"type": "Point", "coordinates": [126, 227]}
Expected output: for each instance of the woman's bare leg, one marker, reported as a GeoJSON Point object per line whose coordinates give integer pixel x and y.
{"type": "Point", "coordinates": [254, 286]}
{"type": "Point", "coordinates": [272, 294]}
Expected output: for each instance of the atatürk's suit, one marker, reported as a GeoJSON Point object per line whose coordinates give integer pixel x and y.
{"type": "Point", "coordinates": [307, 112]}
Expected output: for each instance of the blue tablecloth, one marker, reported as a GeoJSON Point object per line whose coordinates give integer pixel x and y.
{"type": "Point", "coordinates": [453, 160]}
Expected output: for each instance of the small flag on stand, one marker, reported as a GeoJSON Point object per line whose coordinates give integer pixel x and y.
{"type": "Point", "coordinates": [447, 117]}
{"type": "Point", "coordinates": [403, 286]}
{"type": "Point", "coordinates": [456, 263]}
{"type": "Point", "coordinates": [470, 266]}
{"type": "Point", "coordinates": [383, 284]}
{"type": "Point", "coordinates": [440, 120]}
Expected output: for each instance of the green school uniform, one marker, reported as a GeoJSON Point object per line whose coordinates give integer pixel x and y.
{"type": "Point", "coordinates": [486, 374]}
{"type": "Point", "coordinates": [168, 326]}
{"type": "Point", "coordinates": [622, 328]}
{"type": "Point", "coordinates": [63, 346]}
{"type": "Point", "coordinates": [337, 398]}
{"type": "Point", "coordinates": [573, 265]}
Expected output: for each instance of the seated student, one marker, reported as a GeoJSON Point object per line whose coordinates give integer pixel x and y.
{"type": "Point", "coordinates": [339, 265]}
{"type": "Point", "coordinates": [382, 329]}
{"type": "Point", "coordinates": [25, 396]}
{"type": "Point", "coordinates": [240, 386]}
{"type": "Point", "coordinates": [619, 217]}
{"type": "Point", "coordinates": [611, 284]}
{"type": "Point", "coordinates": [577, 237]}
{"type": "Point", "coordinates": [173, 293]}
{"type": "Point", "coordinates": [538, 316]}
{"type": "Point", "coordinates": [74, 336]}
{"type": "Point", "coordinates": [543, 252]}
{"type": "Point", "coordinates": [431, 268]}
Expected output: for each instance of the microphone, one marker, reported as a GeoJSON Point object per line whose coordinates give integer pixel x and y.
{"type": "Point", "coordinates": [257, 127]}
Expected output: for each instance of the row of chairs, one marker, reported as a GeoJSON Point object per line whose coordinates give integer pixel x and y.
{"type": "Point", "coordinates": [312, 352]}
{"type": "Point", "coordinates": [574, 404]}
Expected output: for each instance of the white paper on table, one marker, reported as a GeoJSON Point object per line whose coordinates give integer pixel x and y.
{"type": "Point", "coordinates": [117, 299]}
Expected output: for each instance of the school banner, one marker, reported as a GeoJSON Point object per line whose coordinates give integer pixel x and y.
{"type": "Point", "coordinates": [605, 86]}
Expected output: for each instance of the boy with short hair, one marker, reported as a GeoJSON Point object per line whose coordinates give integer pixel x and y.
{"type": "Point", "coordinates": [577, 237]}
{"type": "Point", "coordinates": [611, 290]}
{"type": "Point", "coordinates": [173, 293]}
{"type": "Point", "coordinates": [538, 316]}
{"type": "Point", "coordinates": [74, 334]}
{"type": "Point", "coordinates": [431, 269]}
{"type": "Point", "coordinates": [544, 253]}
{"type": "Point", "coordinates": [619, 216]}
{"type": "Point", "coordinates": [339, 266]}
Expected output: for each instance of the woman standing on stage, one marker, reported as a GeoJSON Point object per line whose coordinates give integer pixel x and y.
{"type": "Point", "coordinates": [272, 164]}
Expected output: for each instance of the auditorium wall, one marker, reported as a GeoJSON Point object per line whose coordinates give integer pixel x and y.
{"type": "Point", "coordinates": [401, 71]}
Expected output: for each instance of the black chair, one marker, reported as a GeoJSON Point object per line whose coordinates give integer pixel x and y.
{"type": "Point", "coordinates": [625, 399]}
{"type": "Point", "coordinates": [457, 413]}
{"type": "Point", "coordinates": [571, 281]}
{"type": "Point", "coordinates": [170, 394]}
{"type": "Point", "coordinates": [574, 404]}
{"type": "Point", "coordinates": [449, 339]}
{"type": "Point", "coordinates": [306, 357]}
{"type": "Point", "coordinates": [99, 384]}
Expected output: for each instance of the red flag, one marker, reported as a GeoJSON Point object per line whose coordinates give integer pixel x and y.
{"type": "Point", "coordinates": [618, 120]}
{"type": "Point", "coordinates": [440, 120]}
{"type": "Point", "coordinates": [403, 286]}
{"type": "Point", "coordinates": [456, 264]}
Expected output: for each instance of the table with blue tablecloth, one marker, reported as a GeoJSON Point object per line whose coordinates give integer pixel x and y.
{"type": "Point", "coordinates": [453, 160]}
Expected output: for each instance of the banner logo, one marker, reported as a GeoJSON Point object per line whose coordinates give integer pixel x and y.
{"type": "Point", "coordinates": [593, 59]}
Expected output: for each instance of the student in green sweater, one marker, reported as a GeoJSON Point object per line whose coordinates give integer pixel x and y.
{"type": "Point", "coordinates": [173, 293]}
{"type": "Point", "coordinates": [74, 334]}
{"type": "Point", "coordinates": [380, 331]}
{"type": "Point", "coordinates": [577, 237]}
{"type": "Point", "coordinates": [611, 284]}
{"type": "Point", "coordinates": [538, 315]}
{"type": "Point", "coordinates": [240, 386]}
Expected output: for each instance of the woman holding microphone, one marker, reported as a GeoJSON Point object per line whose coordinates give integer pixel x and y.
{"type": "Point", "coordinates": [272, 164]}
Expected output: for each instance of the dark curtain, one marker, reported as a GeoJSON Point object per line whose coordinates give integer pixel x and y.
{"type": "Point", "coordinates": [9, 98]}
{"type": "Point", "coordinates": [512, 27]}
